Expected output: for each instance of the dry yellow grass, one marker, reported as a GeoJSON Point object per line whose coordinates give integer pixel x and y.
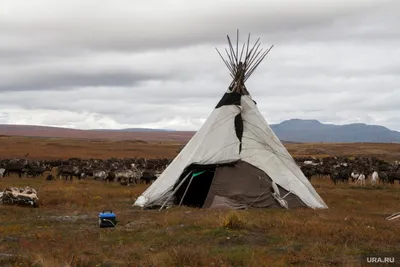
{"type": "Point", "coordinates": [354, 223]}
{"type": "Point", "coordinates": [389, 152]}
{"type": "Point", "coordinates": [58, 148]}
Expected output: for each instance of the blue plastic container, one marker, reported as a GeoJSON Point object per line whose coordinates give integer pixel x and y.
{"type": "Point", "coordinates": [107, 219]}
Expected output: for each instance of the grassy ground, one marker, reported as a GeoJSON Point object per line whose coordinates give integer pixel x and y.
{"type": "Point", "coordinates": [58, 148]}
{"type": "Point", "coordinates": [354, 224]}
{"type": "Point", "coordinates": [389, 152]}
{"type": "Point", "coordinates": [63, 231]}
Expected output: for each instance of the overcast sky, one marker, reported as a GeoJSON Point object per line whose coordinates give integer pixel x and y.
{"type": "Point", "coordinates": [129, 63]}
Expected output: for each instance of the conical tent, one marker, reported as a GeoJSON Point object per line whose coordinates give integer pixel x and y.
{"type": "Point", "coordinates": [234, 160]}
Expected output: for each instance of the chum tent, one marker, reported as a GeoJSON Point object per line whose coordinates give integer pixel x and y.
{"type": "Point", "coordinates": [234, 160]}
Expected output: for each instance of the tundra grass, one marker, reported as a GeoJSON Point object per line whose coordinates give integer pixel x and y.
{"type": "Point", "coordinates": [64, 148]}
{"type": "Point", "coordinates": [63, 230]}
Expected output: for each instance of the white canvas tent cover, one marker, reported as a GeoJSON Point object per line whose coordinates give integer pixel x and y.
{"type": "Point", "coordinates": [234, 160]}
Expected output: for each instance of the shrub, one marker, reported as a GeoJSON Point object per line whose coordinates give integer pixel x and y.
{"type": "Point", "coordinates": [234, 220]}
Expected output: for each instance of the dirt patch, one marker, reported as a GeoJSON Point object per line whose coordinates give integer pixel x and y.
{"type": "Point", "coordinates": [249, 238]}
{"type": "Point", "coordinates": [142, 223]}
{"type": "Point", "coordinates": [72, 218]}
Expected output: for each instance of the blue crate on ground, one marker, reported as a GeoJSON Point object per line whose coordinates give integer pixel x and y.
{"type": "Point", "coordinates": [107, 219]}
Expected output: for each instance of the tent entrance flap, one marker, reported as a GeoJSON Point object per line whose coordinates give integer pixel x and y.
{"type": "Point", "coordinates": [194, 190]}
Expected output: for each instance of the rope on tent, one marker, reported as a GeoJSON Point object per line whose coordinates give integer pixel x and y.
{"type": "Point", "coordinates": [288, 193]}
{"type": "Point", "coordinates": [260, 195]}
{"type": "Point", "coordinates": [280, 157]}
{"type": "Point", "coordinates": [176, 189]}
{"type": "Point", "coordinates": [277, 195]}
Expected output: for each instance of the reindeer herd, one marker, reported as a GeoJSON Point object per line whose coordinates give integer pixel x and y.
{"type": "Point", "coordinates": [124, 171]}
{"type": "Point", "coordinates": [139, 170]}
{"type": "Point", "coordinates": [356, 169]}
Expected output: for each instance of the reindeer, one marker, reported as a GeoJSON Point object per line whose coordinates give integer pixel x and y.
{"type": "Point", "coordinates": [68, 171]}
{"type": "Point", "coordinates": [361, 179]}
{"type": "Point", "coordinates": [15, 166]}
{"type": "Point", "coordinates": [38, 170]}
{"type": "Point", "coordinates": [374, 178]}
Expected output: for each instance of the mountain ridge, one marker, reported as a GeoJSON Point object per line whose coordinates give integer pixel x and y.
{"type": "Point", "coordinates": [293, 130]}
{"type": "Point", "coordinates": [305, 131]}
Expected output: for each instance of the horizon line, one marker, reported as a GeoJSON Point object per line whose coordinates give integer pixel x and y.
{"type": "Point", "coordinates": [172, 130]}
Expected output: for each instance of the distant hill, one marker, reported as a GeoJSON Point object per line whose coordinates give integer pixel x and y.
{"type": "Point", "coordinates": [304, 131]}
{"type": "Point", "coordinates": [290, 131]}
{"type": "Point", "coordinates": [125, 134]}
{"type": "Point", "coordinates": [134, 130]}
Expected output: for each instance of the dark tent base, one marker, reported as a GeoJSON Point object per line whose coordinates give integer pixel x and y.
{"type": "Point", "coordinates": [195, 194]}
{"type": "Point", "coordinates": [236, 186]}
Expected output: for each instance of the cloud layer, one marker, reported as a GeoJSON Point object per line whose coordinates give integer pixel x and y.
{"type": "Point", "coordinates": [90, 64]}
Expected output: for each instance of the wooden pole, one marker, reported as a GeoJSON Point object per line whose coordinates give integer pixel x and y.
{"type": "Point", "coordinates": [237, 47]}
{"type": "Point", "coordinates": [231, 61]}
{"type": "Point", "coordinates": [231, 48]}
{"type": "Point", "coordinates": [254, 56]}
{"type": "Point", "coordinates": [247, 50]}
{"type": "Point", "coordinates": [226, 63]}
{"type": "Point", "coordinates": [176, 189]}
{"type": "Point", "coordinates": [250, 54]}
{"type": "Point", "coordinates": [257, 63]}
{"type": "Point", "coordinates": [184, 194]}
{"type": "Point", "coordinates": [241, 53]}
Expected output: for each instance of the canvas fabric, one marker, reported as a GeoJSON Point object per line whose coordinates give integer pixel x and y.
{"type": "Point", "coordinates": [235, 131]}
{"type": "Point", "coordinates": [245, 186]}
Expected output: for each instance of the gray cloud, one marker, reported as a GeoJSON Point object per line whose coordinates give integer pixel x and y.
{"type": "Point", "coordinates": [71, 80]}
{"type": "Point", "coordinates": [157, 25]}
{"type": "Point", "coordinates": [154, 65]}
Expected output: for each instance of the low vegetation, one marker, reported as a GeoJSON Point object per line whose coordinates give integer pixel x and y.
{"type": "Point", "coordinates": [58, 148]}
{"type": "Point", "coordinates": [64, 231]}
